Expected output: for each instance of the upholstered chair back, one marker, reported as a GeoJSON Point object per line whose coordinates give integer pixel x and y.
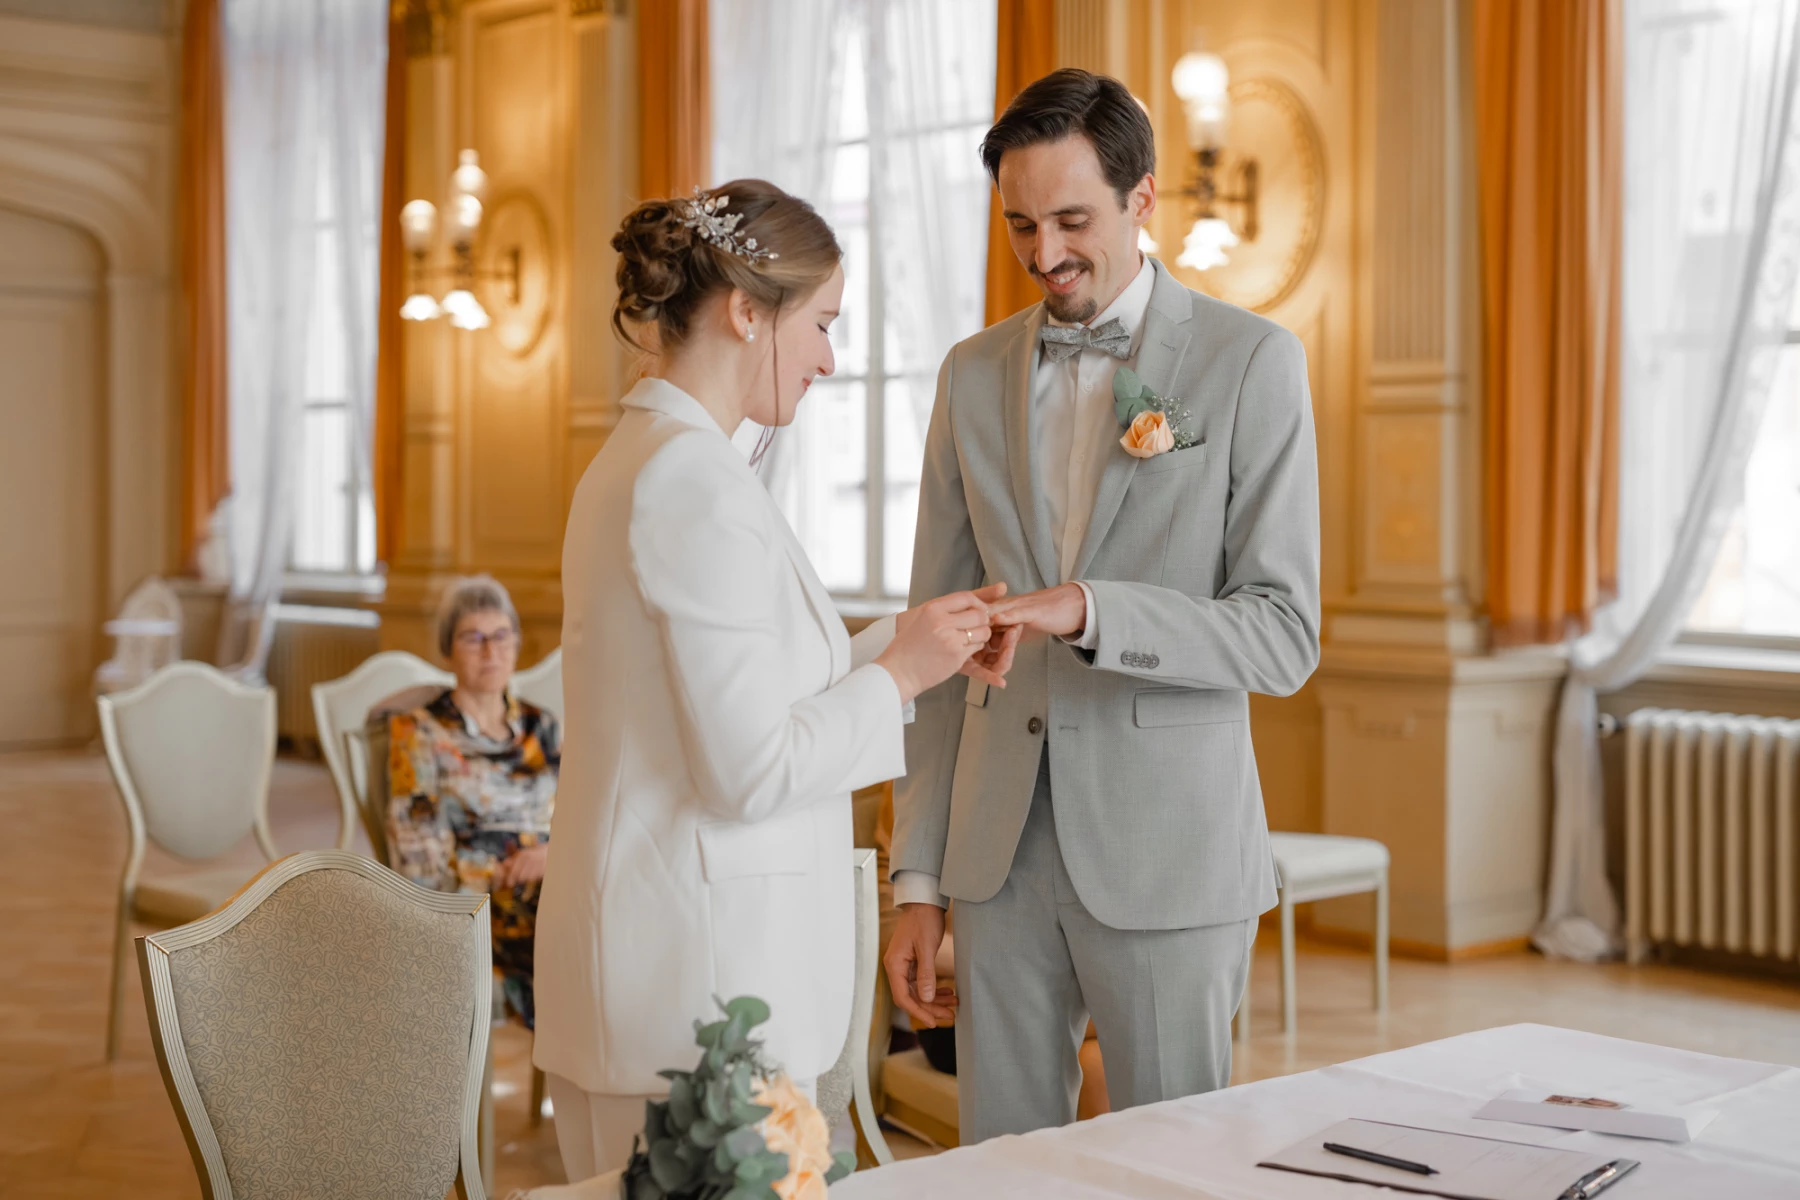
{"type": "Point", "coordinates": [541, 684]}
{"type": "Point", "coordinates": [341, 706]}
{"type": "Point", "coordinates": [191, 752]}
{"type": "Point", "coordinates": [324, 1034]}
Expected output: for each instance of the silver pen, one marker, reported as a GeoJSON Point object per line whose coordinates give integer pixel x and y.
{"type": "Point", "coordinates": [1598, 1180]}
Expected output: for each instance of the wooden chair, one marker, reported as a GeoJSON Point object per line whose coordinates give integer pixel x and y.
{"type": "Point", "coordinates": [1318, 866]}
{"type": "Point", "coordinates": [341, 706]}
{"type": "Point", "coordinates": [542, 684]}
{"type": "Point", "coordinates": [325, 1033]}
{"type": "Point", "coordinates": [191, 752]}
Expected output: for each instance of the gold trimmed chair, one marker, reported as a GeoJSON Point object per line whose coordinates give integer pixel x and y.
{"type": "Point", "coordinates": [325, 1033]}
{"type": "Point", "coordinates": [191, 751]}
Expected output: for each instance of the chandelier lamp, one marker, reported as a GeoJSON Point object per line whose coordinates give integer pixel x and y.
{"type": "Point", "coordinates": [462, 224]}
{"type": "Point", "coordinates": [1203, 84]}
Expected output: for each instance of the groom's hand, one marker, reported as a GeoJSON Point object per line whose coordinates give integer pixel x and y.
{"type": "Point", "coordinates": [912, 965]}
{"type": "Point", "coordinates": [1060, 611]}
{"type": "Point", "coordinates": [991, 663]}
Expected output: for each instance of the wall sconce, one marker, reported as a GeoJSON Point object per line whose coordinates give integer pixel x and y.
{"type": "Point", "coordinates": [418, 222]}
{"type": "Point", "coordinates": [1204, 85]}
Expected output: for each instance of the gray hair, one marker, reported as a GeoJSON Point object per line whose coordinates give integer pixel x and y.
{"type": "Point", "coordinates": [470, 594]}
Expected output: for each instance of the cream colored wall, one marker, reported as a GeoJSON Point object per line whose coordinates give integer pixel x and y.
{"type": "Point", "coordinates": [89, 462]}
{"type": "Point", "coordinates": [500, 423]}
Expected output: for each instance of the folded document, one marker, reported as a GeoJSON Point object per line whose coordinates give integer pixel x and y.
{"type": "Point", "coordinates": [1599, 1115]}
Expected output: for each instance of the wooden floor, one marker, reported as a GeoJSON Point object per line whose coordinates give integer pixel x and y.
{"type": "Point", "coordinates": [73, 1126]}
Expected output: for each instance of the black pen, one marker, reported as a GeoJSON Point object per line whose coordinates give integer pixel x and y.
{"type": "Point", "coordinates": [1383, 1159]}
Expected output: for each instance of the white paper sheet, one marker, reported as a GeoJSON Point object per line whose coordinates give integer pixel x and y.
{"type": "Point", "coordinates": [1469, 1168]}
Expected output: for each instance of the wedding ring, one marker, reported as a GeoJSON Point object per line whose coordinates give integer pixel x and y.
{"type": "Point", "coordinates": [968, 637]}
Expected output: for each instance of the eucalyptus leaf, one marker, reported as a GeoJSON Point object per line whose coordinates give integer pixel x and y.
{"type": "Point", "coordinates": [744, 1142]}
{"type": "Point", "coordinates": [842, 1163]}
{"type": "Point", "coordinates": [745, 1113]}
{"type": "Point", "coordinates": [1128, 409]}
{"type": "Point", "coordinates": [1126, 384]}
{"type": "Point", "coordinates": [716, 1101]}
{"type": "Point", "coordinates": [705, 1134]}
{"type": "Point", "coordinates": [667, 1167]}
{"type": "Point", "coordinates": [754, 1010]}
{"type": "Point", "coordinates": [682, 1109]}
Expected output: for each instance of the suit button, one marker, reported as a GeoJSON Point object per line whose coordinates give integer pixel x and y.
{"type": "Point", "coordinates": [1152, 662]}
{"type": "Point", "coordinates": [1034, 727]}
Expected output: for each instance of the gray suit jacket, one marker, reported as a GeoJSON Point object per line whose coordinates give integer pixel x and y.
{"type": "Point", "coordinates": [1204, 564]}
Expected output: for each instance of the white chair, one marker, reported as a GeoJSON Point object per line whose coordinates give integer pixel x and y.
{"type": "Point", "coordinates": [341, 706]}
{"type": "Point", "coordinates": [862, 1008]}
{"type": "Point", "coordinates": [147, 636]}
{"type": "Point", "coordinates": [325, 1033]}
{"type": "Point", "coordinates": [541, 684]}
{"type": "Point", "coordinates": [191, 752]}
{"type": "Point", "coordinates": [1317, 866]}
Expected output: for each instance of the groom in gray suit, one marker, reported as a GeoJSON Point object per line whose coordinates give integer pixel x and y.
{"type": "Point", "coordinates": [1098, 821]}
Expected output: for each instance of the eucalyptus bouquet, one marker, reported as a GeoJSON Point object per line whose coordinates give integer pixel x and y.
{"type": "Point", "coordinates": [733, 1128]}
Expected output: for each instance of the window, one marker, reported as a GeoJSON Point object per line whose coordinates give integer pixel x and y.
{"type": "Point", "coordinates": [912, 93]}
{"type": "Point", "coordinates": [1754, 587]}
{"type": "Point", "coordinates": [334, 508]}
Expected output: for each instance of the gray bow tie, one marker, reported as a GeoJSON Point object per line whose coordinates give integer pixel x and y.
{"type": "Point", "coordinates": [1064, 341]}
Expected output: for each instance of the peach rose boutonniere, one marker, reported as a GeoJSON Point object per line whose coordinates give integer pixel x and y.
{"type": "Point", "coordinates": [1148, 436]}
{"type": "Point", "coordinates": [1153, 424]}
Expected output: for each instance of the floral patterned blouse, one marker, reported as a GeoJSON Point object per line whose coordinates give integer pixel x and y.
{"type": "Point", "coordinates": [460, 803]}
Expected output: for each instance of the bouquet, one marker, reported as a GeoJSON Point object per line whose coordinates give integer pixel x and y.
{"type": "Point", "coordinates": [733, 1128]}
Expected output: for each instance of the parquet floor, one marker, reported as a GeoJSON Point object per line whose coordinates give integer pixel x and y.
{"type": "Point", "coordinates": [73, 1126]}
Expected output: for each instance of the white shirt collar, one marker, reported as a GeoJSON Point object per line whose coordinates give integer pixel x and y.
{"type": "Point", "coordinates": [659, 395]}
{"type": "Point", "coordinates": [1129, 306]}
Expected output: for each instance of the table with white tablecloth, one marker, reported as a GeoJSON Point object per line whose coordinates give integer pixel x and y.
{"type": "Point", "coordinates": [1208, 1146]}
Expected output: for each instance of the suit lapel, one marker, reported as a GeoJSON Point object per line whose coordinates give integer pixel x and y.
{"type": "Point", "coordinates": [1160, 354]}
{"type": "Point", "coordinates": [1021, 447]}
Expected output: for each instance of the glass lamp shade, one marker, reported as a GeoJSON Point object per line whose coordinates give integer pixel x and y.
{"type": "Point", "coordinates": [1206, 244]}
{"type": "Point", "coordinates": [464, 219]}
{"type": "Point", "coordinates": [465, 310]}
{"type": "Point", "coordinates": [420, 307]}
{"type": "Point", "coordinates": [469, 179]}
{"type": "Point", "coordinates": [1204, 84]}
{"type": "Point", "coordinates": [417, 221]}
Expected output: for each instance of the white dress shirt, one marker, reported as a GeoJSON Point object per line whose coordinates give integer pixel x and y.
{"type": "Point", "coordinates": [1073, 432]}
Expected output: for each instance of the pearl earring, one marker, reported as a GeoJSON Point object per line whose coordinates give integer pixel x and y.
{"type": "Point", "coordinates": [749, 335]}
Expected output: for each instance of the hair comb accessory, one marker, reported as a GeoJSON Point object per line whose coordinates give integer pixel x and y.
{"type": "Point", "coordinates": [705, 215]}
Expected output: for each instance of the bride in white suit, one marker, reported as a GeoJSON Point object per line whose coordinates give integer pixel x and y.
{"type": "Point", "coordinates": [717, 715]}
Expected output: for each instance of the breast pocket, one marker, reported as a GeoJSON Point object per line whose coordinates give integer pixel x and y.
{"type": "Point", "coordinates": [1174, 460]}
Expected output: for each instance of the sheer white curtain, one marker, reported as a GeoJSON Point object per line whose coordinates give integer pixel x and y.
{"type": "Point", "coordinates": [777, 77]}
{"type": "Point", "coordinates": [1712, 231]}
{"type": "Point", "coordinates": [933, 194]}
{"type": "Point", "coordinates": [304, 88]}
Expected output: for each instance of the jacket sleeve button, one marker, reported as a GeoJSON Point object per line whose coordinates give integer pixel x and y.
{"type": "Point", "coordinates": [1034, 726]}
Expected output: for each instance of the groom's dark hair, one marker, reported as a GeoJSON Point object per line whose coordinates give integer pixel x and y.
{"type": "Point", "coordinates": [1072, 101]}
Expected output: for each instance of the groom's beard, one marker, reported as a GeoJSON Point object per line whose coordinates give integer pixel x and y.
{"type": "Point", "coordinates": [1067, 308]}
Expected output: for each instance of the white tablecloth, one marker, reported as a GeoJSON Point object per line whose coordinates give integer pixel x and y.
{"type": "Point", "coordinates": [1208, 1146]}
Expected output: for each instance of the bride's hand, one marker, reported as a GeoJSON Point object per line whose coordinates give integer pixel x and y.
{"type": "Point", "coordinates": [935, 640]}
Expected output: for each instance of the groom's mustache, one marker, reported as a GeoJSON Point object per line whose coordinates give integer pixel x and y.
{"type": "Point", "coordinates": [1067, 264]}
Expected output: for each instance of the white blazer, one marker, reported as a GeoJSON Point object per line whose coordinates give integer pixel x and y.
{"type": "Point", "coordinates": [717, 718]}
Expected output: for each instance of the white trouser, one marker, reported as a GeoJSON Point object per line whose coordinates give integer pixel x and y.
{"type": "Point", "coordinates": [595, 1131]}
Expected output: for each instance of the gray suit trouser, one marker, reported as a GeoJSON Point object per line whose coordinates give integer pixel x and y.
{"type": "Point", "coordinates": [1032, 964]}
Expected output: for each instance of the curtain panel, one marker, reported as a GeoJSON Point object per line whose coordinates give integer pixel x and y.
{"type": "Point", "coordinates": [1026, 52]}
{"type": "Point", "coordinates": [1711, 247]}
{"type": "Point", "coordinates": [1548, 143]}
{"type": "Point", "coordinates": [206, 446]}
{"type": "Point", "coordinates": [674, 104]}
{"type": "Point", "coordinates": [387, 436]}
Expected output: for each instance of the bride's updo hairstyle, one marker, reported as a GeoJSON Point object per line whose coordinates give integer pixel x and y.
{"type": "Point", "coordinates": [780, 251]}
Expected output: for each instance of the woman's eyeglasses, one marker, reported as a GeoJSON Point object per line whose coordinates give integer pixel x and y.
{"type": "Point", "coordinates": [501, 640]}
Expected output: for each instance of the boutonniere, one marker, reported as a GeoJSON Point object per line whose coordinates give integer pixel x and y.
{"type": "Point", "coordinates": [1153, 424]}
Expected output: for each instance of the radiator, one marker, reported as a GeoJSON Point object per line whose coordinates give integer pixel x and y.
{"type": "Point", "coordinates": [1710, 824]}
{"type": "Point", "coordinates": [314, 643]}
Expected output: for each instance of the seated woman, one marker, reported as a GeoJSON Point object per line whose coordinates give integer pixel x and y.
{"type": "Point", "coordinates": [472, 780]}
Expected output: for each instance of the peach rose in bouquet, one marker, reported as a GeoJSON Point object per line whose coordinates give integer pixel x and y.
{"type": "Point", "coordinates": [795, 1127]}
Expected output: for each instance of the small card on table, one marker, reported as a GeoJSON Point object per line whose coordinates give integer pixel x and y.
{"type": "Point", "coordinates": [1597, 1114]}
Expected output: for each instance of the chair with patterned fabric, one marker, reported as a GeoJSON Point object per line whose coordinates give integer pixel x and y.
{"type": "Point", "coordinates": [191, 752]}
{"type": "Point", "coordinates": [325, 1033]}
